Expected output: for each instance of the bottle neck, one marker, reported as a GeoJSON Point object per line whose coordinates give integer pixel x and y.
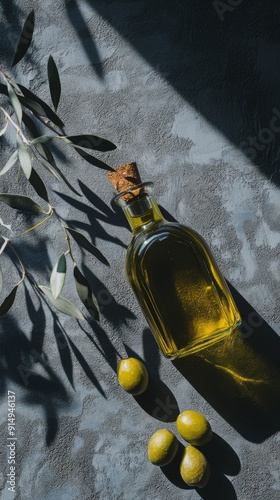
{"type": "Point", "coordinates": [140, 207]}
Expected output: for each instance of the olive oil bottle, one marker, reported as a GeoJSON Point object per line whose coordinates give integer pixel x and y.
{"type": "Point", "coordinates": [175, 279]}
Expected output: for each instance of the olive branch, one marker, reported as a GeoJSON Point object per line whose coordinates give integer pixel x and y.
{"type": "Point", "coordinates": [26, 114]}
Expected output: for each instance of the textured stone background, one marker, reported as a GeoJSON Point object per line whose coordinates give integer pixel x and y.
{"type": "Point", "coordinates": [192, 93]}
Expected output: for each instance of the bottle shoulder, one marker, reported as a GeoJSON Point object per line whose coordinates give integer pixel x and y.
{"type": "Point", "coordinates": [165, 231]}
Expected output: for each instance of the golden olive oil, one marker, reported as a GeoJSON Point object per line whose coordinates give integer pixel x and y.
{"type": "Point", "coordinates": [173, 274]}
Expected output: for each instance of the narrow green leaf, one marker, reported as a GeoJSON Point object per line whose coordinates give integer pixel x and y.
{"type": "Point", "coordinates": [85, 293]}
{"type": "Point", "coordinates": [54, 82]}
{"type": "Point", "coordinates": [11, 161]}
{"type": "Point", "coordinates": [42, 221]}
{"type": "Point", "coordinates": [33, 132]}
{"type": "Point", "coordinates": [92, 160]}
{"type": "Point", "coordinates": [42, 139]}
{"type": "Point", "coordinates": [61, 304]}
{"type": "Point", "coordinates": [24, 157]}
{"type": "Point", "coordinates": [45, 153]}
{"type": "Point", "coordinates": [25, 38]}
{"type": "Point", "coordinates": [30, 125]}
{"type": "Point", "coordinates": [21, 202]}
{"type": "Point", "coordinates": [58, 276]}
{"type": "Point", "coordinates": [30, 99]}
{"type": "Point", "coordinates": [15, 103]}
{"type": "Point", "coordinates": [87, 245]}
{"type": "Point", "coordinates": [91, 142]}
{"type": "Point", "coordinates": [8, 302]}
{"type": "Point", "coordinates": [34, 106]}
{"type": "Point", "coordinates": [1, 279]}
{"type": "Point", "coordinates": [37, 183]}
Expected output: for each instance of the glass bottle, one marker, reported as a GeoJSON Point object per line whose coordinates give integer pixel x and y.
{"type": "Point", "coordinates": [175, 279]}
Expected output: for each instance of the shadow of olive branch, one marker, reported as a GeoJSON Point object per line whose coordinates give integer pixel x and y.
{"type": "Point", "coordinates": [84, 364]}
{"type": "Point", "coordinates": [18, 360]}
{"type": "Point", "coordinates": [116, 313]}
{"type": "Point", "coordinates": [38, 319]}
{"type": "Point", "coordinates": [64, 343]}
{"type": "Point", "coordinates": [94, 227]}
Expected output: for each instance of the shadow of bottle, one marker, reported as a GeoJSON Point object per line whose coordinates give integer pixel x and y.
{"type": "Point", "coordinates": [157, 400]}
{"type": "Point", "coordinates": [240, 376]}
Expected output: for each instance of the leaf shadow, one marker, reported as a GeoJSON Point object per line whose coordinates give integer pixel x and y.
{"type": "Point", "coordinates": [116, 313]}
{"type": "Point", "coordinates": [103, 344]}
{"type": "Point", "coordinates": [64, 341]}
{"type": "Point", "coordinates": [64, 351]}
{"type": "Point", "coordinates": [22, 364]}
{"type": "Point", "coordinates": [34, 253]}
{"type": "Point", "coordinates": [10, 28]}
{"type": "Point", "coordinates": [84, 364]}
{"type": "Point", "coordinates": [78, 22]}
{"type": "Point", "coordinates": [93, 226]}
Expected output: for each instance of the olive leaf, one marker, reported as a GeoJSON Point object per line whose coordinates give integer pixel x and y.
{"type": "Point", "coordinates": [38, 106]}
{"type": "Point", "coordinates": [37, 183]}
{"type": "Point", "coordinates": [85, 293]}
{"type": "Point", "coordinates": [21, 202]}
{"type": "Point", "coordinates": [45, 153]}
{"type": "Point", "coordinates": [24, 157]}
{"type": "Point", "coordinates": [58, 274]}
{"type": "Point", "coordinates": [87, 245]}
{"type": "Point", "coordinates": [1, 279]}
{"type": "Point", "coordinates": [15, 103]}
{"type": "Point", "coordinates": [33, 106]}
{"type": "Point", "coordinates": [8, 301]}
{"type": "Point", "coordinates": [43, 150]}
{"type": "Point", "coordinates": [54, 82]}
{"type": "Point", "coordinates": [11, 161]}
{"type": "Point", "coordinates": [61, 304]}
{"type": "Point", "coordinates": [92, 160]}
{"type": "Point", "coordinates": [42, 221]}
{"type": "Point", "coordinates": [25, 38]}
{"type": "Point", "coordinates": [42, 139]}
{"type": "Point", "coordinates": [91, 142]}
{"type": "Point", "coordinates": [30, 125]}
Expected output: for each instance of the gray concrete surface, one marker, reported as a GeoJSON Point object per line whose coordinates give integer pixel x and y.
{"type": "Point", "coordinates": [191, 92]}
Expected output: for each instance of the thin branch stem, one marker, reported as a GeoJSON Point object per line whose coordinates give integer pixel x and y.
{"type": "Point", "coordinates": [25, 272]}
{"type": "Point", "coordinates": [17, 256]}
{"type": "Point", "coordinates": [18, 129]}
{"type": "Point", "coordinates": [49, 214]}
{"type": "Point", "coordinates": [47, 123]}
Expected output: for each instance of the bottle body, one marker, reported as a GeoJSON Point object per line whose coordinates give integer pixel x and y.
{"type": "Point", "coordinates": [177, 283]}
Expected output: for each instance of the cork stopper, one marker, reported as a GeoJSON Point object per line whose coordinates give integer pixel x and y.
{"type": "Point", "coordinates": [125, 177]}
